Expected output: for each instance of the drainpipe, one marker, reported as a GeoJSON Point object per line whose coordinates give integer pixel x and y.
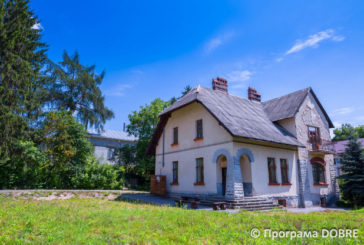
{"type": "Point", "coordinates": [163, 149]}
{"type": "Point", "coordinates": [300, 185]}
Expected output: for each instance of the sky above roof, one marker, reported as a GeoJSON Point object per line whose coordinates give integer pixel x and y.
{"type": "Point", "coordinates": [153, 49]}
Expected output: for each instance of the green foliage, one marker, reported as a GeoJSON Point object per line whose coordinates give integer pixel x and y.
{"type": "Point", "coordinates": [100, 176]}
{"type": "Point", "coordinates": [25, 168]}
{"type": "Point", "coordinates": [68, 148]}
{"type": "Point", "coordinates": [352, 166]}
{"type": "Point", "coordinates": [30, 83]}
{"type": "Point", "coordinates": [142, 125]}
{"type": "Point", "coordinates": [22, 55]}
{"type": "Point", "coordinates": [99, 221]}
{"type": "Point", "coordinates": [346, 129]}
{"type": "Point", "coordinates": [75, 88]}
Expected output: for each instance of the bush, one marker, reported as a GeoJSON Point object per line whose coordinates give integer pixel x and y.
{"type": "Point", "coordinates": [99, 176]}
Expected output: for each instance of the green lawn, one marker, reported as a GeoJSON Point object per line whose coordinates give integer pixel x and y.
{"type": "Point", "coordinates": [98, 221]}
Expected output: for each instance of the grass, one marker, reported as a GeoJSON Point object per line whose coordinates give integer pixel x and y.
{"type": "Point", "coordinates": [98, 221]}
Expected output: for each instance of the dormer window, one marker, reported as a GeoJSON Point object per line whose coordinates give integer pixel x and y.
{"type": "Point", "coordinates": [314, 137]}
{"type": "Point", "coordinates": [199, 130]}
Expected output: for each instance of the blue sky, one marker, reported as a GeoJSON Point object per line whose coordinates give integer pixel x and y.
{"type": "Point", "coordinates": [153, 49]}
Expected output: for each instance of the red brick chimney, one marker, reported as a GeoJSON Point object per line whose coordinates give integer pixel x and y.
{"type": "Point", "coordinates": [253, 94]}
{"type": "Point", "coordinates": [220, 84]}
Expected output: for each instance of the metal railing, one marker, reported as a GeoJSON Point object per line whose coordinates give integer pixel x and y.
{"type": "Point", "coordinates": [320, 145]}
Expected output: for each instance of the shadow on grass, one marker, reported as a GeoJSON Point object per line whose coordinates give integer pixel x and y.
{"type": "Point", "coordinates": [145, 198]}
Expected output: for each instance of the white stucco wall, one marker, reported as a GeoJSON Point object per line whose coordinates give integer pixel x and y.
{"type": "Point", "coordinates": [186, 152]}
{"type": "Point", "coordinates": [259, 168]}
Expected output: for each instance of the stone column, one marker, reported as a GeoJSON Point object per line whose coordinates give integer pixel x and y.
{"type": "Point", "coordinates": [234, 183]}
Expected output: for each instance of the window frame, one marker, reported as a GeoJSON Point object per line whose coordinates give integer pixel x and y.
{"type": "Point", "coordinates": [272, 171]}
{"type": "Point", "coordinates": [175, 136]}
{"type": "Point", "coordinates": [284, 172]}
{"type": "Point", "coordinates": [175, 173]}
{"type": "Point", "coordinates": [199, 129]}
{"type": "Point", "coordinates": [200, 178]}
{"type": "Point", "coordinates": [315, 141]}
{"type": "Point", "coordinates": [319, 173]}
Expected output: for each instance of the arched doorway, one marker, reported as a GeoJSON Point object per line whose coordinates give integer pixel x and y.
{"type": "Point", "coordinates": [221, 173]}
{"type": "Point", "coordinates": [246, 174]}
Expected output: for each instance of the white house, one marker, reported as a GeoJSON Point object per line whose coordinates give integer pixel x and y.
{"type": "Point", "coordinates": [212, 144]}
{"type": "Point", "coordinates": [105, 141]}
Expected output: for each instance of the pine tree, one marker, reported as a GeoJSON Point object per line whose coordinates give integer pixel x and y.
{"type": "Point", "coordinates": [76, 89]}
{"type": "Point", "coordinates": [21, 58]}
{"type": "Point", "coordinates": [353, 171]}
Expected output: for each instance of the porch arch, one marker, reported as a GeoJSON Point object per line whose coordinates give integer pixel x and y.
{"type": "Point", "coordinates": [244, 151]}
{"type": "Point", "coordinates": [222, 159]}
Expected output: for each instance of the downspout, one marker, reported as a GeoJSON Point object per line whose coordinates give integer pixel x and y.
{"type": "Point", "coordinates": [300, 184]}
{"type": "Point", "coordinates": [163, 149]}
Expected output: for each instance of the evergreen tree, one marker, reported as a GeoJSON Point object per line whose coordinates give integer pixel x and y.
{"type": "Point", "coordinates": [75, 88]}
{"type": "Point", "coordinates": [22, 55]}
{"type": "Point", "coordinates": [353, 171]}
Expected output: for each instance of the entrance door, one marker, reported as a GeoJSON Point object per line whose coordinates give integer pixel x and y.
{"type": "Point", "coordinates": [223, 171]}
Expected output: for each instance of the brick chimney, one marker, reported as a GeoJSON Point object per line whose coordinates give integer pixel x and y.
{"type": "Point", "coordinates": [253, 94]}
{"type": "Point", "coordinates": [220, 84]}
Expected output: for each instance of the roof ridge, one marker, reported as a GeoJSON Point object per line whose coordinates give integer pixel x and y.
{"type": "Point", "coordinates": [308, 90]}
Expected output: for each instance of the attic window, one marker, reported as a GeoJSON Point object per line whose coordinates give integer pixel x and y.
{"type": "Point", "coordinates": [199, 129]}
{"type": "Point", "coordinates": [175, 136]}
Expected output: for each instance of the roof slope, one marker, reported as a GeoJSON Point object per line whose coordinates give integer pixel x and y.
{"type": "Point", "coordinates": [288, 105]}
{"type": "Point", "coordinates": [340, 146]}
{"type": "Point", "coordinates": [111, 134]}
{"type": "Point", "coordinates": [240, 117]}
{"type": "Point", "coordinates": [285, 106]}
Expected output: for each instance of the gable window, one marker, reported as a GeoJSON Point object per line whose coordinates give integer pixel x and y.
{"type": "Point", "coordinates": [199, 172]}
{"type": "Point", "coordinates": [318, 172]}
{"type": "Point", "coordinates": [175, 173]}
{"type": "Point", "coordinates": [284, 172]}
{"type": "Point", "coordinates": [314, 137]}
{"type": "Point", "coordinates": [175, 136]}
{"type": "Point", "coordinates": [272, 171]}
{"type": "Point", "coordinates": [199, 129]}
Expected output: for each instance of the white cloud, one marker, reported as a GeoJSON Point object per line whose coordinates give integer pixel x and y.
{"type": "Point", "coordinates": [118, 90]}
{"type": "Point", "coordinates": [314, 40]}
{"type": "Point", "coordinates": [37, 26]}
{"type": "Point", "coordinates": [238, 78]}
{"type": "Point", "coordinates": [216, 42]}
{"type": "Point", "coordinates": [343, 111]}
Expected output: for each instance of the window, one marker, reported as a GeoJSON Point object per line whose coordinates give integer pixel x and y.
{"type": "Point", "coordinates": [199, 172]}
{"type": "Point", "coordinates": [318, 171]}
{"type": "Point", "coordinates": [175, 136]}
{"type": "Point", "coordinates": [110, 153]}
{"type": "Point", "coordinates": [199, 129]}
{"type": "Point", "coordinates": [272, 171]}
{"type": "Point", "coordinates": [175, 173]}
{"type": "Point", "coordinates": [284, 171]}
{"type": "Point", "coordinates": [314, 137]}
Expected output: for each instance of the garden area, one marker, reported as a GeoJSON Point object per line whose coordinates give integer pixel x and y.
{"type": "Point", "coordinates": [82, 217]}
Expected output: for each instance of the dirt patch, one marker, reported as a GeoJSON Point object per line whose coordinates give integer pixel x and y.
{"type": "Point", "coordinates": [60, 195]}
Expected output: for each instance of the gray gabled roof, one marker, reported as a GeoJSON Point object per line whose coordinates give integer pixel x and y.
{"type": "Point", "coordinates": [288, 105]}
{"type": "Point", "coordinates": [111, 134]}
{"type": "Point", "coordinates": [240, 117]}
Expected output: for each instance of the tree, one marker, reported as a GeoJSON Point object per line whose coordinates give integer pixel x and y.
{"type": "Point", "coordinates": [353, 171]}
{"type": "Point", "coordinates": [142, 125]}
{"type": "Point", "coordinates": [185, 91]}
{"type": "Point", "coordinates": [76, 89]}
{"type": "Point", "coordinates": [68, 149]}
{"type": "Point", "coordinates": [22, 56]}
{"type": "Point", "coordinates": [343, 133]}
